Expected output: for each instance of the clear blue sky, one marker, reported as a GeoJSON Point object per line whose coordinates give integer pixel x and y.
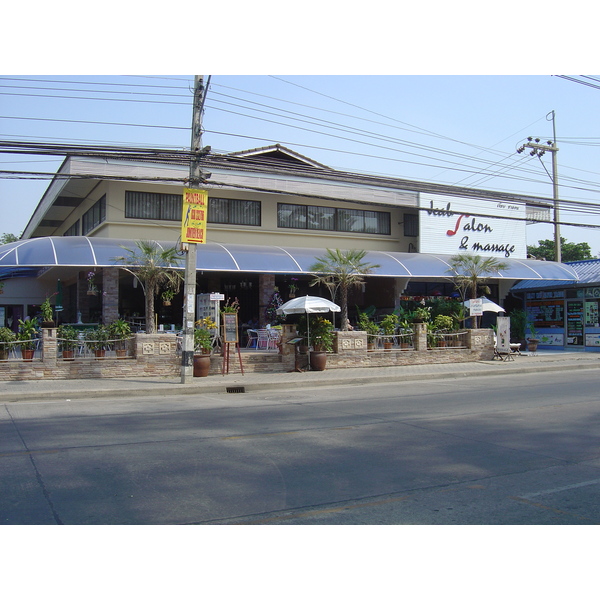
{"type": "Point", "coordinates": [453, 129]}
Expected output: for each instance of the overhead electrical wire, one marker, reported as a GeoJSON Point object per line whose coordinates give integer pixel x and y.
{"type": "Point", "coordinates": [433, 150]}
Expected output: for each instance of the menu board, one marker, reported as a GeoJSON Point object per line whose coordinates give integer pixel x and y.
{"type": "Point", "coordinates": [230, 328]}
{"type": "Point", "coordinates": [546, 313]}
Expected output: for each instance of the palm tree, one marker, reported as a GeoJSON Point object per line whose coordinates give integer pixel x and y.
{"type": "Point", "coordinates": [152, 265]}
{"type": "Point", "coordinates": [470, 271]}
{"type": "Point", "coordinates": [341, 269]}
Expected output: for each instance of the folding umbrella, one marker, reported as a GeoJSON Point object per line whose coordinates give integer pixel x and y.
{"type": "Point", "coordinates": [307, 305]}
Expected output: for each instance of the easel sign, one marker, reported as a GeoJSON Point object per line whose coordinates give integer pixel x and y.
{"type": "Point", "coordinates": [230, 336]}
{"type": "Point", "coordinates": [230, 328]}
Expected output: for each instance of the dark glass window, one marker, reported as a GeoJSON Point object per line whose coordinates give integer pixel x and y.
{"type": "Point", "coordinates": [73, 230]}
{"type": "Point", "coordinates": [148, 205]}
{"type": "Point", "coordinates": [233, 212]}
{"type": "Point", "coordinates": [411, 225]}
{"type": "Point", "coordinates": [299, 216]}
{"type": "Point", "coordinates": [94, 216]}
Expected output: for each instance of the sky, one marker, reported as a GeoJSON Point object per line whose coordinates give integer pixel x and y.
{"type": "Point", "coordinates": [455, 129]}
{"type": "Point", "coordinates": [446, 98]}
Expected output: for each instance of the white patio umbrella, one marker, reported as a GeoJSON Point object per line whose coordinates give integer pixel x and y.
{"type": "Point", "coordinates": [488, 305]}
{"type": "Point", "coordinates": [307, 305]}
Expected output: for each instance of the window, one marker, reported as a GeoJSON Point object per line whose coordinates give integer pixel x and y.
{"type": "Point", "coordinates": [73, 230]}
{"type": "Point", "coordinates": [148, 205]}
{"type": "Point", "coordinates": [411, 225]}
{"type": "Point", "coordinates": [167, 207]}
{"type": "Point", "coordinates": [233, 212]}
{"type": "Point", "coordinates": [94, 216]}
{"type": "Point", "coordinates": [325, 218]}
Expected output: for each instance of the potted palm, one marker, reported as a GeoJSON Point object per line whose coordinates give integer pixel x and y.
{"type": "Point", "coordinates": [68, 340]}
{"type": "Point", "coordinates": [389, 324]}
{"type": "Point", "coordinates": [120, 331]}
{"type": "Point", "coordinates": [27, 337]}
{"type": "Point", "coordinates": [6, 337]}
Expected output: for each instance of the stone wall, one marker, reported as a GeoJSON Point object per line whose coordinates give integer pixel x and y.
{"type": "Point", "coordinates": [157, 356]}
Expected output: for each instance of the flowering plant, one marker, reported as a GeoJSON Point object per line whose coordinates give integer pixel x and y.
{"type": "Point", "coordinates": [232, 306]}
{"type": "Point", "coordinates": [293, 287]}
{"type": "Point", "coordinates": [92, 287]}
{"type": "Point", "coordinates": [203, 335]}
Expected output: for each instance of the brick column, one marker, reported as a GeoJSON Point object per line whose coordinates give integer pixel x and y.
{"type": "Point", "coordinates": [420, 336]}
{"type": "Point", "coordinates": [110, 298]}
{"type": "Point", "coordinates": [49, 347]}
{"type": "Point", "coordinates": [266, 288]}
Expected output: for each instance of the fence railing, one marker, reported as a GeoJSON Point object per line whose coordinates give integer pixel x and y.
{"type": "Point", "coordinates": [442, 341]}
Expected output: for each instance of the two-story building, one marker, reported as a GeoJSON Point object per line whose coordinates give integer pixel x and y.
{"type": "Point", "coordinates": [272, 212]}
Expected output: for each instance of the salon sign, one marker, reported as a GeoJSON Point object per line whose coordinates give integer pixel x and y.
{"type": "Point", "coordinates": [455, 225]}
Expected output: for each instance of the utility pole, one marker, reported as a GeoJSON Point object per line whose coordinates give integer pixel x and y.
{"type": "Point", "coordinates": [196, 178]}
{"type": "Point", "coordinates": [539, 150]}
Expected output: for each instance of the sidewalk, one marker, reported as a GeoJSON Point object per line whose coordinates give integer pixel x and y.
{"type": "Point", "coordinates": [555, 360]}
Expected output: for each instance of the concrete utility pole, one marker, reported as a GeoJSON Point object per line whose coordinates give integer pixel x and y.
{"type": "Point", "coordinates": [539, 150]}
{"type": "Point", "coordinates": [197, 177]}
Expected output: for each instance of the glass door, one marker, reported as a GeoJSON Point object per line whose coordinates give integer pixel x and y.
{"type": "Point", "coordinates": [574, 323]}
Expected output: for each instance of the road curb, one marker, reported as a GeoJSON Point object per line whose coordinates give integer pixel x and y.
{"type": "Point", "coordinates": [239, 385]}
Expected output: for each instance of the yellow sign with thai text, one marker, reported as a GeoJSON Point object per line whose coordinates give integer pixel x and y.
{"type": "Point", "coordinates": [193, 218]}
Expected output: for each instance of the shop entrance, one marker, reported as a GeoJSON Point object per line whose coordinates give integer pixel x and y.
{"type": "Point", "coordinates": [574, 323]}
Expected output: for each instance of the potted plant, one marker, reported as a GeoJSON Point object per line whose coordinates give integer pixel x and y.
{"type": "Point", "coordinates": [27, 337]}
{"type": "Point", "coordinates": [167, 296]}
{"type": "Point", "coordinates": [120, 332]}
{"type": "Point", "coordinates": [406, 333]}
{"type": "Point", "coordinates": [321, 339]}
{"type": "Point", "coordinates": [533, 340]}
{"type": "Point", "coordinates": [47, 313]}
{"type": "Point", "coordinates": [389, 324]}
{"type": "Point", "coordinates": [203, 338]}
{"type": "Point", "coordinates": [442, 324]}
{"type": "Point", "coordinates": [68, 340]}
{"type": "Point", "coordinates": [97, 340]}
{"type": "Point", "coordinates": [6, 337]}
{"type": "Point", "coordinates": [518, 326]}
{"type": "Point", "coordinates": [92, 287]}
{"type": "Point", "coordinates": [421, 315]}
{"type": "Point", "coordinates": [370, 327]}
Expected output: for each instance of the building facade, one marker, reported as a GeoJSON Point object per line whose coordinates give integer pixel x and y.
{"type": "Point", "coordinates": [272, 213]}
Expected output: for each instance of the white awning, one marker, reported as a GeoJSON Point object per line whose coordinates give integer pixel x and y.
{"type": "Point", "coordinates": [84, 252]}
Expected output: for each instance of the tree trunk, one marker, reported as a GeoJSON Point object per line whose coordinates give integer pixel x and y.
{"type": "Point", "coordinates": [344, 307]}
{"type": "Point", "coordinates": [150, 308]}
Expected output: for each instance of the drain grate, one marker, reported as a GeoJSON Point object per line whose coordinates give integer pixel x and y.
{"type": "Point", "coordinates": [239, 389]}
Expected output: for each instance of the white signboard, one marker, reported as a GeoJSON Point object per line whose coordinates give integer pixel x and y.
{"type": "Point", "coordinates": [476, 307]}
{"type": "Point", "coordinates": [503, 343]}
{"type": "Point", "coordinates": [453, 225]}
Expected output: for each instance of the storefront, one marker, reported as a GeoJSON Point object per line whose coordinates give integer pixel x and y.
{"type": "Point", "coordinates": [565, 315]}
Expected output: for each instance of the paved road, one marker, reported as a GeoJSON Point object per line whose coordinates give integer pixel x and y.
{"type": "Point", "coordinates": [482, 450]}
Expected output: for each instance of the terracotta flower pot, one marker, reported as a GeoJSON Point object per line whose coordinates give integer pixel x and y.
{"type": "Point", "coordinates": [318, 360]}
{"type": "Point", "coordinates": [201, 365]}
{"type": "Point", "coordinates": [68, 354]}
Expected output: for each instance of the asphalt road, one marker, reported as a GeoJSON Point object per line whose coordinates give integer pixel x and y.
{"type": "Point", "coordinates": [474, 451]}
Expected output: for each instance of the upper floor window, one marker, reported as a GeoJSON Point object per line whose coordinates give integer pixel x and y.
{"type": "Point", "coordinates": [327, 218]}
{"type": "Point", "coordinates": [167, 207]}
{"type": "Point", "coordinates": [233, 212]}
{"type": "Point", "coordinates": [94, 216]}
{"type": "Point", "coordinates": [73, 230]}
{"type": "Point", "coordinates": [411, 225]}
{"type": "Point", "coordinates": [149, 205]}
